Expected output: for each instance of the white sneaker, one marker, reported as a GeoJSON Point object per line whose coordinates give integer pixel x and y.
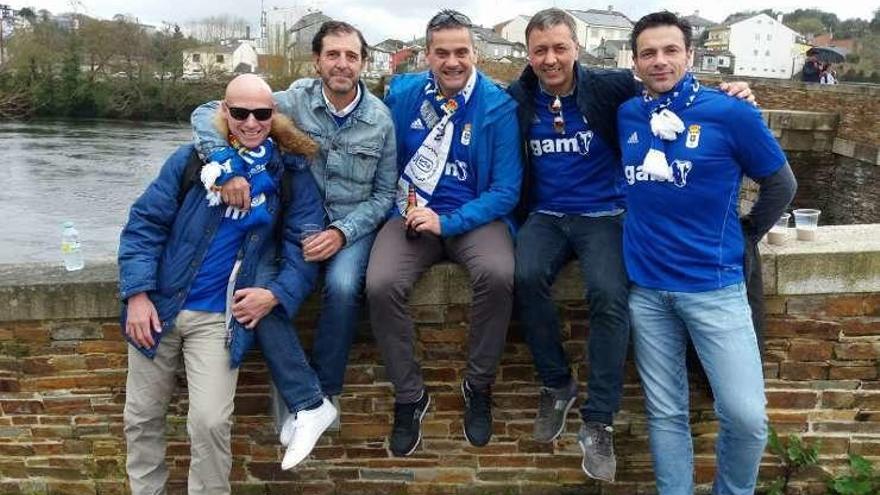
{"type": "Point", "coordinates": [287, 429]}
{"type": "Point", "coordinates": [309, 426]}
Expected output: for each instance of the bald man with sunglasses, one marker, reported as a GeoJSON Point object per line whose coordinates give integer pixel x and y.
{"type": "Point", "coordinates": [194, 271]}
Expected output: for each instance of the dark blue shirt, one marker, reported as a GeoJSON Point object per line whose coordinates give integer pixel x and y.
{"type": "Point", "coordinates": [684, 234]}
{"type": "Point", "coordinates": [208, 289]}
{"type": "Point", "coordinates": [575, 172]}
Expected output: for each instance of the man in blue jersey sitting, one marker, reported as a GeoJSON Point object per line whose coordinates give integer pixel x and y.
{"type": "Point", "coordinates": [457, 151]}
{"type": "Point", "coordinates": [685, 149]}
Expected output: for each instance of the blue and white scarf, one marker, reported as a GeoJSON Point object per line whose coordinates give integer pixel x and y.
{"type": "Point", "coordinates": [425, 168]}
{"type": "Point", "coordinates": [665, 124]}
{"type": "Point", "coordinates": [250, 163]}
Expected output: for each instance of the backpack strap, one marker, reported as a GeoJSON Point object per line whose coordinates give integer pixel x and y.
{"type": "Point", "coordinates": [191, 175]}
{"type": "Point", "coordinates": [283, 200]}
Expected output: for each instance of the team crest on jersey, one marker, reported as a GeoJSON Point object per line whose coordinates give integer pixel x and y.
{"type": "Point", "coordinates": [693, 139]}
{"type": "Point", "coordinates": [466, 135]}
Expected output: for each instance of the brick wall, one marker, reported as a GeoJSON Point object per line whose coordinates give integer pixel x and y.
{"type": "Point", "coordinates": [62, 375]}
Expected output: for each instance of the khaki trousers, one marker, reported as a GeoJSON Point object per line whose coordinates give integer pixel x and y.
{"type": "Point", "coordinates": [198, 340]}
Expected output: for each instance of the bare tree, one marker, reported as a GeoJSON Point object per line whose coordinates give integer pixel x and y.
{"type": "Point", "coordinates": [218, 27]}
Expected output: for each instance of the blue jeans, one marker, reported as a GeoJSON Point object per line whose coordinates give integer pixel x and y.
{"type": "Point", "coordinates": [341, 300]}
{"type": "Point", "coordinates": [294, 379]}
{"type": "Point", "coordinates": [543, 246]}
{"type": "Point", "coordinates": [719, 324]}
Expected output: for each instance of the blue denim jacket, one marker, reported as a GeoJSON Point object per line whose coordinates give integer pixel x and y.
{"type": "Point", "coordinates": [356, 166]}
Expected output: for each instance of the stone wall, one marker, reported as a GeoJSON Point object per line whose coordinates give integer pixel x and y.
{"type": "Point", "coordinates": [62, 375]}
{"type": "Point", "coordinates": [836, 175]}
{"type": "Point", "coordinates": [857, 104]}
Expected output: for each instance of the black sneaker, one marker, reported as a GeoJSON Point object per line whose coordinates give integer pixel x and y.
{"type": "Point", "coordinates": [477, 414]}
{"type": "Point", "coordinates": [407, 431]}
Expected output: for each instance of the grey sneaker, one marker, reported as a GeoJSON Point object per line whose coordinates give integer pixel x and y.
{"type": "Point", "coordinates": [553, 407]}
{"type": "Point", "coordinates": [597, 443]}
{"type": "Point", "coordinates": [334, 426]}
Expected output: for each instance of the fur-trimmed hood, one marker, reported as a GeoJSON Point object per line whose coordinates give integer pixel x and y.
{"type": "Point", "coordinates": [288, 137]}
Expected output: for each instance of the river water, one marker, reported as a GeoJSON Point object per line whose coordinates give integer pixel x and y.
{"type": "Point", "coordinates": [87, 172]}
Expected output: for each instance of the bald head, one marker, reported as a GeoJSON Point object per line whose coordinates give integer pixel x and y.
{"type": "Point", "coordinates": [248, 86]}
{"type": "Point", "coordinates": [248, 109]}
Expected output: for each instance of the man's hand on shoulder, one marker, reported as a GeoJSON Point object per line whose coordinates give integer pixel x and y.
{"type": "Point", "coordinates": [323, 245]}
{"type": "Point", "coordinates": [424, 219]}
{"type": "Point", "coordinates": [739, 89]}
{"type": "Point", "coordinates": [250, 305]}
{"type": "Point", "coordinates": [236, 192]}
{"type": "Point", "coordinates": [141, 319]}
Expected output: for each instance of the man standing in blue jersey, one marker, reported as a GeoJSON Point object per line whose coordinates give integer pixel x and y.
{"type": "Point", "coordinates": [574, 195]}
{"type": "Point", "coordinates": [457, 151]}
{"type": "Point", "coordinates": [685, 150]}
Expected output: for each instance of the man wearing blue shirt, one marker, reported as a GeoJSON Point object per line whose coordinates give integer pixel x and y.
{"type": "Point", "coordinates": [573, 194]}
{"type": "Point", "coordinates": [458, 152]}
{"type": "Point", "coordinates": [194, 272]}
{"type": "Point", "coordinates": [685, 150]}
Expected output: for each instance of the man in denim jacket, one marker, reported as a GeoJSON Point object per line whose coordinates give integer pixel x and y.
{"type": "Point", "coordinates": [180, 259]}
{"type": "Point", "coordinates": [356, 170]}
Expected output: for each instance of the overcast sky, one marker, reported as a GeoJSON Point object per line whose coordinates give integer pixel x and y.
{"type": "Point", "coordinates": [405, 19]}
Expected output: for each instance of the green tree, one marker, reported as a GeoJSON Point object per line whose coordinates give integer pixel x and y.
{"type": "Point", "coordinates": [852, 28]}
{"type": "Point", "coordinates": [807, 25]}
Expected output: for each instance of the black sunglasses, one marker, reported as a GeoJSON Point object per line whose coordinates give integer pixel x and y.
{"type": "Point", "coordinates": [239, 113]}
{"type": "Point", "coordinates": [449, 17]}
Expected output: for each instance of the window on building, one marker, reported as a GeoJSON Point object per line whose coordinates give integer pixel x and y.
{"type": "Point", "coordinates": [755, 52]}
{"type": "Point", "coordinates": [757, 36]}
{"type": "Point", "coordinates": [219, 59]}
{"type": "Point", "coordinates": [766, 53]}
{"type": "Point", "coordinates": [769, 36]}
{"type": "Point", "coordinates": [197, 57]}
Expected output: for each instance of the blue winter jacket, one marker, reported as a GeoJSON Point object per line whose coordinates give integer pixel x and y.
{"type": "Point", "coordinates": [162, 246]}
{"type": "Point", "coordinates": [495, 149]}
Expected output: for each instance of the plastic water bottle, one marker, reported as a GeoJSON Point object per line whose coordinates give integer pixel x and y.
{"type": "Point", "coordinates": [70, 248]}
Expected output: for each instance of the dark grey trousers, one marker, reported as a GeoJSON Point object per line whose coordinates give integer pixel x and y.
{"type": "Point", "coordinates": [396, 263]}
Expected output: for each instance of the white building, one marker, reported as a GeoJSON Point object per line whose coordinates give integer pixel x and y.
{"type": "Point", "coordinates": [379, 63]}
{"type": "Point", "coordinates": [216, 59]}
{"type": "Point", "coordinates": [594, 26]}
{"type": "Point", "coordinates": [761, 46]}
{"type": "Point", "coordinates": [513, 30]}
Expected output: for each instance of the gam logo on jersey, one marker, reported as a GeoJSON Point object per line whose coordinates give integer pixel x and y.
{"type": "Point", "coordinates": [457, 169]}
{"type": "Point", "coordinates": [579, 143]}
{"type": "Point", "coordinates": [680, 171]}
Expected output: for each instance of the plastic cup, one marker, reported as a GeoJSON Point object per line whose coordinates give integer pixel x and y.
{"type": "Point", "coordinates": [806, 221]}
{"type": "Point", "coordinates": [779, 232]}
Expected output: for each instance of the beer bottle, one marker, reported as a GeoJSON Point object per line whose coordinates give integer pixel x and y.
{"type": "Point", "coordinates": [411, 233]}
